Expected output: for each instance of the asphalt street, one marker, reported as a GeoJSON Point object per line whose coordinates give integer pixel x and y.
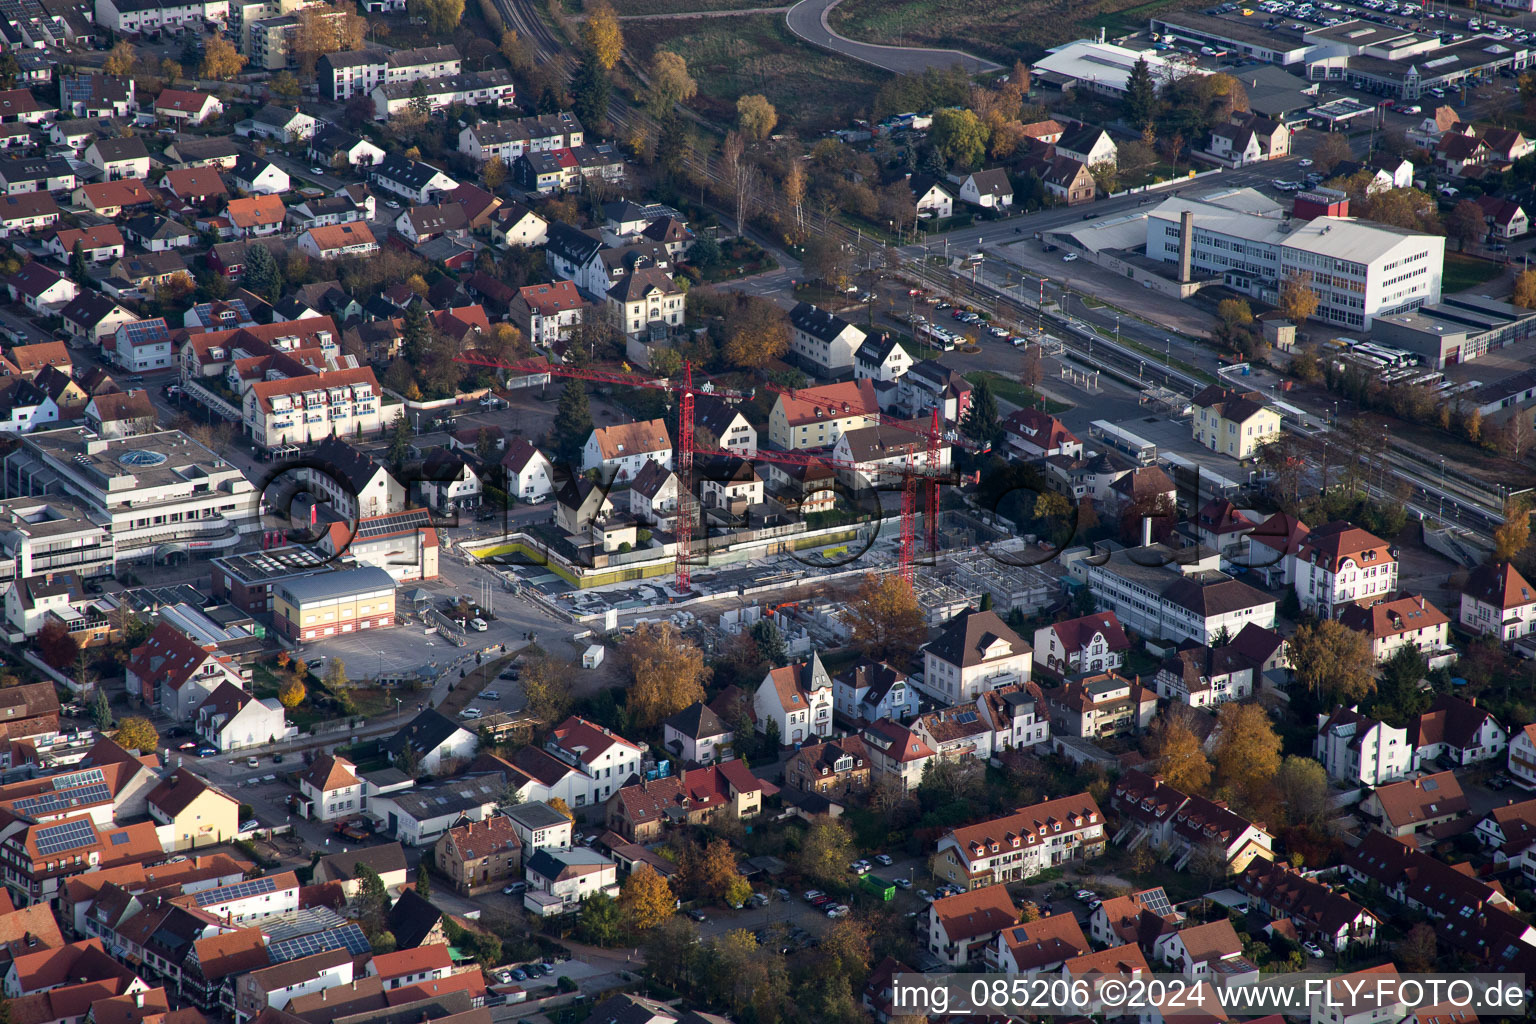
{"type": "Point", "coordinates": [808, 19]}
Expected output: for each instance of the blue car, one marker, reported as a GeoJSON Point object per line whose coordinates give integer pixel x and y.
{"type": "Point", "coordinates": [520, 975]}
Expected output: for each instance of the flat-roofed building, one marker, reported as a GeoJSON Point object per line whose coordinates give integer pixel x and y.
{"type": "Point", "coordinates": [334, 603]}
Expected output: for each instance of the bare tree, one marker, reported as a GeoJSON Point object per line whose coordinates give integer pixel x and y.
{"type": "Point", "coordinates": [740, 178]}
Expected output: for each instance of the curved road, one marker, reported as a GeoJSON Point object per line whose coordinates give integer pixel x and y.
{"type": "Point", "coordinates": [808, 20]}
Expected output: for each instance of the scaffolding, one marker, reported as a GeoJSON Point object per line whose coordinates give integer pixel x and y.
{"type": "Point", "coordinates": [993, 571]}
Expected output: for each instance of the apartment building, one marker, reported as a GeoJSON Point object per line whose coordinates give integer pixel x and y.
{"type": "Point", "coordinates": [1339, 564]}
{"type": "Point", "coordinates": [1021, 845]}
{"type": "Point", "coordinates": [817, 417]}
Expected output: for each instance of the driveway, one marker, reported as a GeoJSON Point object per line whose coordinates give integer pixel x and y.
{"type": "Point", "coordinates": [808, 20]}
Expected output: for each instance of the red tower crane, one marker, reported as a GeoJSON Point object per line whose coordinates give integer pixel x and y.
{"type": "Point", "coordinates": [684, 389]}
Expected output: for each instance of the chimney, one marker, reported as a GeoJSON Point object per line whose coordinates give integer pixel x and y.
{"type": "Point", "coordinates": [1146, 530]}
{"type": "Point", "coordinates": [1186, 243]}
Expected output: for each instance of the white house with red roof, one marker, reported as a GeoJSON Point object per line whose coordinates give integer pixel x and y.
{"type": "Point", "coordinates": [1340, 564]}
{"type": "Point", "coordinates": [332, 788]}
{"type": "Point", "coordinates": [581, 763]}
{"type": "Point", "coordinates": [1040, 946]}
{"type": "Point", "coordinates": [1497, 601]}
{"type": "Point", "coordinates": [1038, 435]}
{"type": "Point", "coordinates": [1407, 621]}
{"type": "Point", "coordinates": [231, 719]}
{"type": "Point", "coordinates": [183, 106]}
{"type": "Point", "coordinates": [1222, 526]}
{"type": "Point", "coordinates": [962, 928]}
{"type": "Point", "coordinates": [896, 753]}
{"type": "Point", "coordinates": [409, 966]}
{"type": "Point", "coordinates": [1020, 845]}
{"type": "Point", "coordinates": [530, 476]}
{"type": "Point", "coordinates": [1270, 547]}
{"type": "Point", "coordinates": [797, 700]}
{"type": "Point", "coordinates": [1090, 643]}
{"type": "Point", "coordinates": [175, 673]}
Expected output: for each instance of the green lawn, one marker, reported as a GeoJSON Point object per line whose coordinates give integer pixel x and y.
{"type": "Point", "coordinates": [1010, 390]}
{"type": "Point", "coordinates": [1463, 272]}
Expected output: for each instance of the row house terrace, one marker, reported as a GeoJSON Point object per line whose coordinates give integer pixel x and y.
{"type": "Point", "coordinates": [1021, 845]}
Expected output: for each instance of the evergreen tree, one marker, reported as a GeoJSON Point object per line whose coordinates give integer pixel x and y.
{"type": "Point", "coordinates": [1140, 95]}
{"type": "Point", "coordinates": [261, 274]}
{"type": "Point", "coordinates": [981, 423]}
{"type": "Point", "coordinates": [590, 91]}
{"type": "Point", "coordinates": [423, 882]}
{"type": "Point", "coordinates": [101, 710]}
{"type": "Point", "coordinates": [400, 441]}
{"type": "Point", "coordinates": [770, 642]}
{"type": "Point", "coordinates": [416, 332]}
{"type": "Point", "coordinates": [573, 423]}
{"type": "Point", "coordinates": [79, 272]}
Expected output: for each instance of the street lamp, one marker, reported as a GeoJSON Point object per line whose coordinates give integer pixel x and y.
{"type": "Point", "coordinates": [1441, 514]}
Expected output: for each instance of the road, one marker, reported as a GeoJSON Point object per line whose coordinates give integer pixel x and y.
{"type": "Point", "coordinates": [808, 20]}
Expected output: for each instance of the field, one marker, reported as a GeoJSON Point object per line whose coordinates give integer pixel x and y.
{"type": "Point", "coordinates": [1004, 31]}
{"type": "Point", "coordinates": [755, 53]}
{"type": "Point", "coordinates": [1463, 272]}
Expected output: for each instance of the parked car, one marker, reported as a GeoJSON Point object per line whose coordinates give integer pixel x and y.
{"type": "Point", "coordinates": [490, 695]}
{"type": "Point", "coordinates": [252, 762]}
{"type": "Point", "coordinates": [782, 894]}
{"type": "Point", "coordinates": [1070, 257]}
{"type": "Point", "coordinates": [902, 883]}
{"type": "Point", "coordinates": [249, 825]}
{"type": "Point", "coordinates": [883, 859]}
{"type": "Point", "coordinates": [1313, 950]}
{"type": "Point", "coordinates": [811, 894]}
{"type": "Point", "coordinates": [1304, 162]}
{"type": "Point", "coordinates": [699, 916]}
{"type": "Point", "coordinates": [206, 751]}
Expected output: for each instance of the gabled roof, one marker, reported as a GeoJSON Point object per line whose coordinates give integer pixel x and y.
{"type": "Point", "coordinates": [1499, 584]}
{"type": "Point", "coordinates": [426, 732]}
{"type": "Point", "coordinates": [818, 323]}
{"type": "Point", "coordinates": [1384, 619]}
{"type": "Point", "coordinates": [637, 438]}
{"type": "Point", "coordinates": [330, 772]}
{"type": "Point", "coordinates": [1332, 543]}
{"type": "Point", "coordinates": [178, 790]}
{"type": "Point", "coordinates": [1075, 634]}
{"type": "Point", "coordinates": [255, 211]}
{"type": "Point", "coordinates": [1239, 406]}
{"type": "Point", "coordinates": [966, 637]}
{"type": "Point", "coordinates": [829, 401]}
{"type": "Point", "coordinates": [1452, 721]}
{"type": "Point", "coordinates": [1032, 826]}
{"type": "Point", "coordinates": [170, 657]}
{"type": "Point", "coordinates": [1044, 941]}
{"type": "Point", "coordinates": [1427, 798]}
{"type": "Point", "coordinates": [973, 914]}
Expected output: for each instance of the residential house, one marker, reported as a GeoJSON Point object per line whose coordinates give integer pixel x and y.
{"type": "Point", "coordinates": [1234, 423]}
{"type": "Point", "coordinates": [1506, 219]}
{"type": "Point", "coordinates": [332, 788]}
{"type": "Point", "coordinates": [254, 216]}
{"type": "Point", "coordinates": [27, 213]}
{"type": "Point", "coordinates": [581, 763]}
{"type": "Point", "coordinates": [337, 240]}
{"type": "Point", "coordinates": [1038, 435]}
{"type": "Point", "coordinates": [795, 701]}
{"type": "Point", "coordinates": [1413, 806]}
{"type": "Point", "coordinates": [1099, 705]}
{"type": "Point", "coordinates": [112, 199]}
{"type": "Point", "coordinates": [480, 855]}
{"type": "Point", "coordinates": [962, 927]}
{"type": "Point", "coordinates": [515, 225]}
{"type": "Point", "coordinates": [881, 358]}
{"type": "Point", "coordinates": [1021, 845]}
{"type": "Point", "coordinates": [1496, 600]}
{"type": "Point", "coordinates": [648, 306]}
{"type": "Point", "coordinates": [869, 690]}
{"type": "Point", "coordinates": [1522, 757]}
{"type": "Point", "coordinates": [1458, 732]}
{"type": "Point", "coordinates": [835, 769]}
{"type": "Point", "coordinates": [1339, 564]}
{"type": "Point", "coordinates": [619, 452]}
{"type": "Point", "coordinates": [278, 124]}
{"type": "Point", "coordinates": [976, 651]}
{"type": "Point", "coordinates": [824, 341]}
{"type": "Point", "coordinates": [410, 179]}
{"type": "Point", "coordinates": [697, 735]}
{"type": "Point", "coordinates": [1408, 621]}
{"type": "Point", "coordinates": [1223, 527]}
{"type": "Point", "coordinates": [41, 288]}
{"type": "Point", "coordinates": [99, 244]}
{"type": "Point", "coordinates": [931, 197]}
{"type": "Point", "coordinates": [1315, 910]}
{"type": "Point", "coordinates": [697, 796]}
{"type": "Point", "coordinates": [259, 176]}
{"type": "Point", "coordinates": [92, 317]}
{"type": "Point", "coordinates": [1090, 643]}
{"type": "Point", "coordinates": [1356, 749]}
{"type": "Point", "coordinates": [197, 185]}
{"type": "Point", "coordinates": [721, 424]}
{"type": "Point", "coordinates": [547, 313]}
{"type": "Point", "coordinates": [1249, 138]}
{"type": "Point", "coordinates": [1204, 677]}
{"type": "Point", "coordinates": [816, 417]}
{"type": "Point", "coordinates": [176, 673]}
{"type": "Point", "coordinates": [1039, 947]}
{"type": "Point", "coordinates": [653, 496]}
{"type": "Point", "coordinates": [988, 189]}
{"type": "Point", "coordinates": [182, 106]}
{"type": "Point", "coordinates": [529, 475]}
{"type": "Point", "coordinates": [119, 157]}
{"type": "Point", "coordinates": [193, 812]}
{"type": "Point", "coordinates": [560, 880]}
{"type": "Point", "coordinates": [1087, 145]}
{"type": "Point", "coordinates": [1211, 951]}
{"type": "Point", "coordinates": [121, 414]}
{"type": "Point", "coordinates": [232, 719]}
{"type": "Point", "coordinates": [430, 740]}
{"type": "Point", "coordinates": [896, 753]}
{"type": "Point", "coordinates": [539, 825]}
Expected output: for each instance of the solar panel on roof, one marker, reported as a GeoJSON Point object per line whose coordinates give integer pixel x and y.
{"type": "Point", "coordinates": [238, 891]}
{"type": "Point", "coordinates": [78, 778]}
{"type": "Point", "coordinates": [349, 937]}
{"type": "Point", "coordinates": [52, 803]}
{"type": "Point", "coordinates": [1156, 900]}
{"type": "Point", "coordinates": [71, 835]}
{"type": "Point", "coordinates": [119, 838]}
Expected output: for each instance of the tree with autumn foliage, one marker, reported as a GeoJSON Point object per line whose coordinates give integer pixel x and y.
{"type": "Point", "coordinates": [885, 620]}
{"type": "Point", "coordinates": [1178, 755]}
{"type": "Point", "coordinates": [55, 646]}
{"type": "Point", "coordinates": [1247, 752]}
{"type": "Point", "coordinates": [138, 734]}
{"type": "Point", "coordinates": [292, 692]}
{"type": "Point", "coordinates": [1513, 535]}
{"type": "Point", "coordinates": [668, 672]}
{"type": "Point", "coordinates": [647, 899]}
{"type": "Point", "coordinates": [758, 333]}
{"type": "Point", "coordinates": [603, 37]}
